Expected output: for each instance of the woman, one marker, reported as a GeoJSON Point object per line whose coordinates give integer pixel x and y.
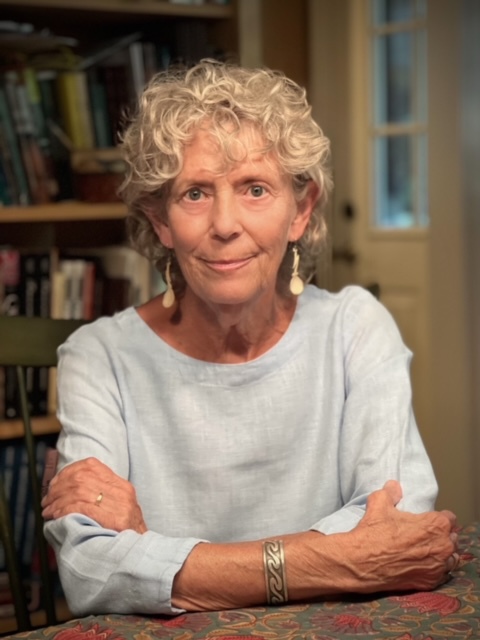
{"type": "Point", "coordinates": [226, 443]}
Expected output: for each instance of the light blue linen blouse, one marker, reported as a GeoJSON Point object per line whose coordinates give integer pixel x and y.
{"type": "Point", "coordinates": [293, 440]}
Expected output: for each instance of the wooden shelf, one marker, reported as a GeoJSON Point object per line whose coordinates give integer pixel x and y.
{"type": "Point", "coordinates": [143, 7]}
{"type": "Point", "coordinates": [64, 211]}
{"type": "Point", "coordinates": [41, 426]}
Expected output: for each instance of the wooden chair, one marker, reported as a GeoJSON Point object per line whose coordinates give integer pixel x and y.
{"type": "Point", "coordinates": [29, 342]}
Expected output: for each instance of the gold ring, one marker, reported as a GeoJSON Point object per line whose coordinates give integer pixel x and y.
{"type": "Point", "coordinates": [99, 499]}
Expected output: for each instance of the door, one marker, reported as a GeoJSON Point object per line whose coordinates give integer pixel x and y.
{"type": "Point", "coordinates": [379, 230]}
{"type": "Point", "coordinates": [390, 225]}
{"type": "Point", "coordinates": [384, 88]}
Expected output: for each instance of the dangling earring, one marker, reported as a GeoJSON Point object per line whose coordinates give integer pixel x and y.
{"type": "Point", "coordinates": [296, 283]}
{"type": "Point", "coordinates": [169, 295]}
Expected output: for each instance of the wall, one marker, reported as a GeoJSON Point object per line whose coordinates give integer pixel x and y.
{"type": "Point", "coordinates": [273, 33]}
{"type": "Point", "coordinates": [470, 91]}
{"type": "Point", "coordinates": [453, 256]}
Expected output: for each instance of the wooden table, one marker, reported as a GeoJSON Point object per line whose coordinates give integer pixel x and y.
{"type": "Point", "coordinates": [452, 611]}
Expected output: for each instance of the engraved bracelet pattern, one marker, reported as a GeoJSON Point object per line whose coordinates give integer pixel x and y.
{"type": "Point", "coordinates": [274, 567]}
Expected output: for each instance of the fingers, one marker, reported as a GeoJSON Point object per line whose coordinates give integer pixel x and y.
{"type": "Point", "coordinates": [393, 490]}
{"type": "Point", "coordinates": [453, 562]}
{"type": "Point", "coordinates": [386, 498]}
{"type": "Point", "coordinates": [91, 488]}
{"type": "Point", "coordinates": [80, 480]}
{"type": "Point", "coordinates": [453, 528]}
{"type": "Point", "coordinates": [451, 517]}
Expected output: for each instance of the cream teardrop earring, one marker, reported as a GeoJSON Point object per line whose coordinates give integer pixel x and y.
{"type": "Point", "coordinates": [169, 295]}
{"type": "Point", "coordinates": [296, 283]}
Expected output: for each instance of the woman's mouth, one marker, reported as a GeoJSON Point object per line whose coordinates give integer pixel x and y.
{"type": "Point", "coordinates": [227, 265]}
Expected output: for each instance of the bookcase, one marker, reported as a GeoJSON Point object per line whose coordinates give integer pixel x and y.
{"type": "Point", "coordinates": [76, 224]}
{"type": "Point", "coordinates": [254, 32]}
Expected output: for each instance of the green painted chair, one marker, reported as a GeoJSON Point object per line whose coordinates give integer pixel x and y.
{"type": "Point", "coordinates": [29, 342]}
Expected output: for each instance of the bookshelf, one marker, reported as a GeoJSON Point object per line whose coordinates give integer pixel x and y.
{"type": "Point", "coordinates": [64, 212]}
{"type": "Point", "coordinates": [144, 7]}
{"type": "Point", "coordinates": [41, 426]}
{"type": "Point", "coordinates": [253, 32]}
{"type": "Point", "coordinates": [73, 224]}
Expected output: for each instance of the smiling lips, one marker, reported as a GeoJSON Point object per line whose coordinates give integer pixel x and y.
{"type": "Point", "coordinates": [227, 265]}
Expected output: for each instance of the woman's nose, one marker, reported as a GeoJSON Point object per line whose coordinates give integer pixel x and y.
{"type": "Point", "coordinates": [225, 221]}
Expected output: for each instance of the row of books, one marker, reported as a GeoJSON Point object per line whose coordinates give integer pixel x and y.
{"type": "Point", "coordinates": [15, 473]}
{"type": "Point", "coordinates": [45, 114]}
{"type": "Point", "coordinates": [78, 284]}
{"type": "Point", "coordinates": [51, 106]}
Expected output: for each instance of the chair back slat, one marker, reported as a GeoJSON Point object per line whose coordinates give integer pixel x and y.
{"type": "Point", "coordinates": [33, 342]}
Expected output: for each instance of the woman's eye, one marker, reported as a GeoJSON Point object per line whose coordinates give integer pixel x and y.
{"type": "Point", "coordinates": [257, 191]}
{"type": "Point", "coordinates": [194, 194]}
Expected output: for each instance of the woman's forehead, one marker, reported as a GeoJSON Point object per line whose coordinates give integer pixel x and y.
{"type": "Point", "coordinates": [224, 132]}
{"type": "Point", "coordinates": [226, 148]}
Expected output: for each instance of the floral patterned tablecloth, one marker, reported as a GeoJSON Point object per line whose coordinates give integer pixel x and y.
{"type": "Point", "coordinates": [452, 611]}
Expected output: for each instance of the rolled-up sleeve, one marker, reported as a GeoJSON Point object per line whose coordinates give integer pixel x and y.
{"type": "Point", "coordinates": [103, 570]}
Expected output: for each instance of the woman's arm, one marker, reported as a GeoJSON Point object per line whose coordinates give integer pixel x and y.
{"type": "Point", "coordinates": [388, 551]}
{"type": "Point", "coordinates": [379, 437]}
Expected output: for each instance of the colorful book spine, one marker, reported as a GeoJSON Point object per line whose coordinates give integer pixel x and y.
{"type": "Point", "coordinates": [98, 101]}
{"type": "Point", "coordinates": [40, 128]}
{"type": "Point", "coordinates": [31, 153]}
{"type": "Point", "coordinates": [20, 186]}
{"type": "Point", "coordinates": [75, 108]}
{"type": "Point", "coordinates": [59, 143]}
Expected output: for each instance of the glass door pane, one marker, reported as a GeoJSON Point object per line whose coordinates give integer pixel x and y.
{"type": "Point", "coordinates": [399, 108]}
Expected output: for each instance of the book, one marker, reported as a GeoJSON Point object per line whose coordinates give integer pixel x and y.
{"type": "Point", "coordinates": [59, 142]}
{"type": "Point", "coordinates": [8, 132]}
{"type": "Point", "coordinates": [40, 130]}
{"type": "Point", "coordinates": [74, 103]}
{"type": "Point", "coordinates": [108, 91]}
{"type": "Point", "coordinates": [10, 305]}
{"type": "Point", "coordinates": [115, 79]}
{"type": "Point", "coordinates": [29, 306]}
{"type": "Point", "coordinates": [137, 68]}
{"type": "Point", "coordinates": [73, 271]}
{"type": "Point", "coordinates": [10, 279]}
{"type": "Point", "coordinates": [124, 263]}
{"type": "Point", "coordinates": [57, 304]}
{"type": "Point", "coordinates": [7, 177]}
{"type": "Point", "coordinates": [29, 286]}
{"type": "Point", "coordinates": [98, 101]}
{"type": "Point", "coordinates": [35, 301]}
{"type": "Point", "coordinates": [89, 309]}
{"type": "Point", "coordinates": [34, 162]}
{"type": "Point", "coordinates": [43, 271]}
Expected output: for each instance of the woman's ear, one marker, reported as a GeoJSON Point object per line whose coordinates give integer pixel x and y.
{"type": "Point", "coordinates": [160, 227]}
{"type": "Point", "coordinates": [305, 208]}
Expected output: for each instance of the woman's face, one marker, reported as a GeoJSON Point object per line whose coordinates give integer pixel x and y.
{"type": "Point", "coordinates": [229, 223]}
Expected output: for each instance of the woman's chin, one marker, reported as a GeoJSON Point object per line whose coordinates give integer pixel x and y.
{"type": "Point", "coordinates": [231, 296]}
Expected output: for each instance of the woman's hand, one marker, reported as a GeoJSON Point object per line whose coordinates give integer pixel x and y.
{"type": "Point", "coordinates": [91, 488]}
{"type": "Point", "coordinates": [396, 550]}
